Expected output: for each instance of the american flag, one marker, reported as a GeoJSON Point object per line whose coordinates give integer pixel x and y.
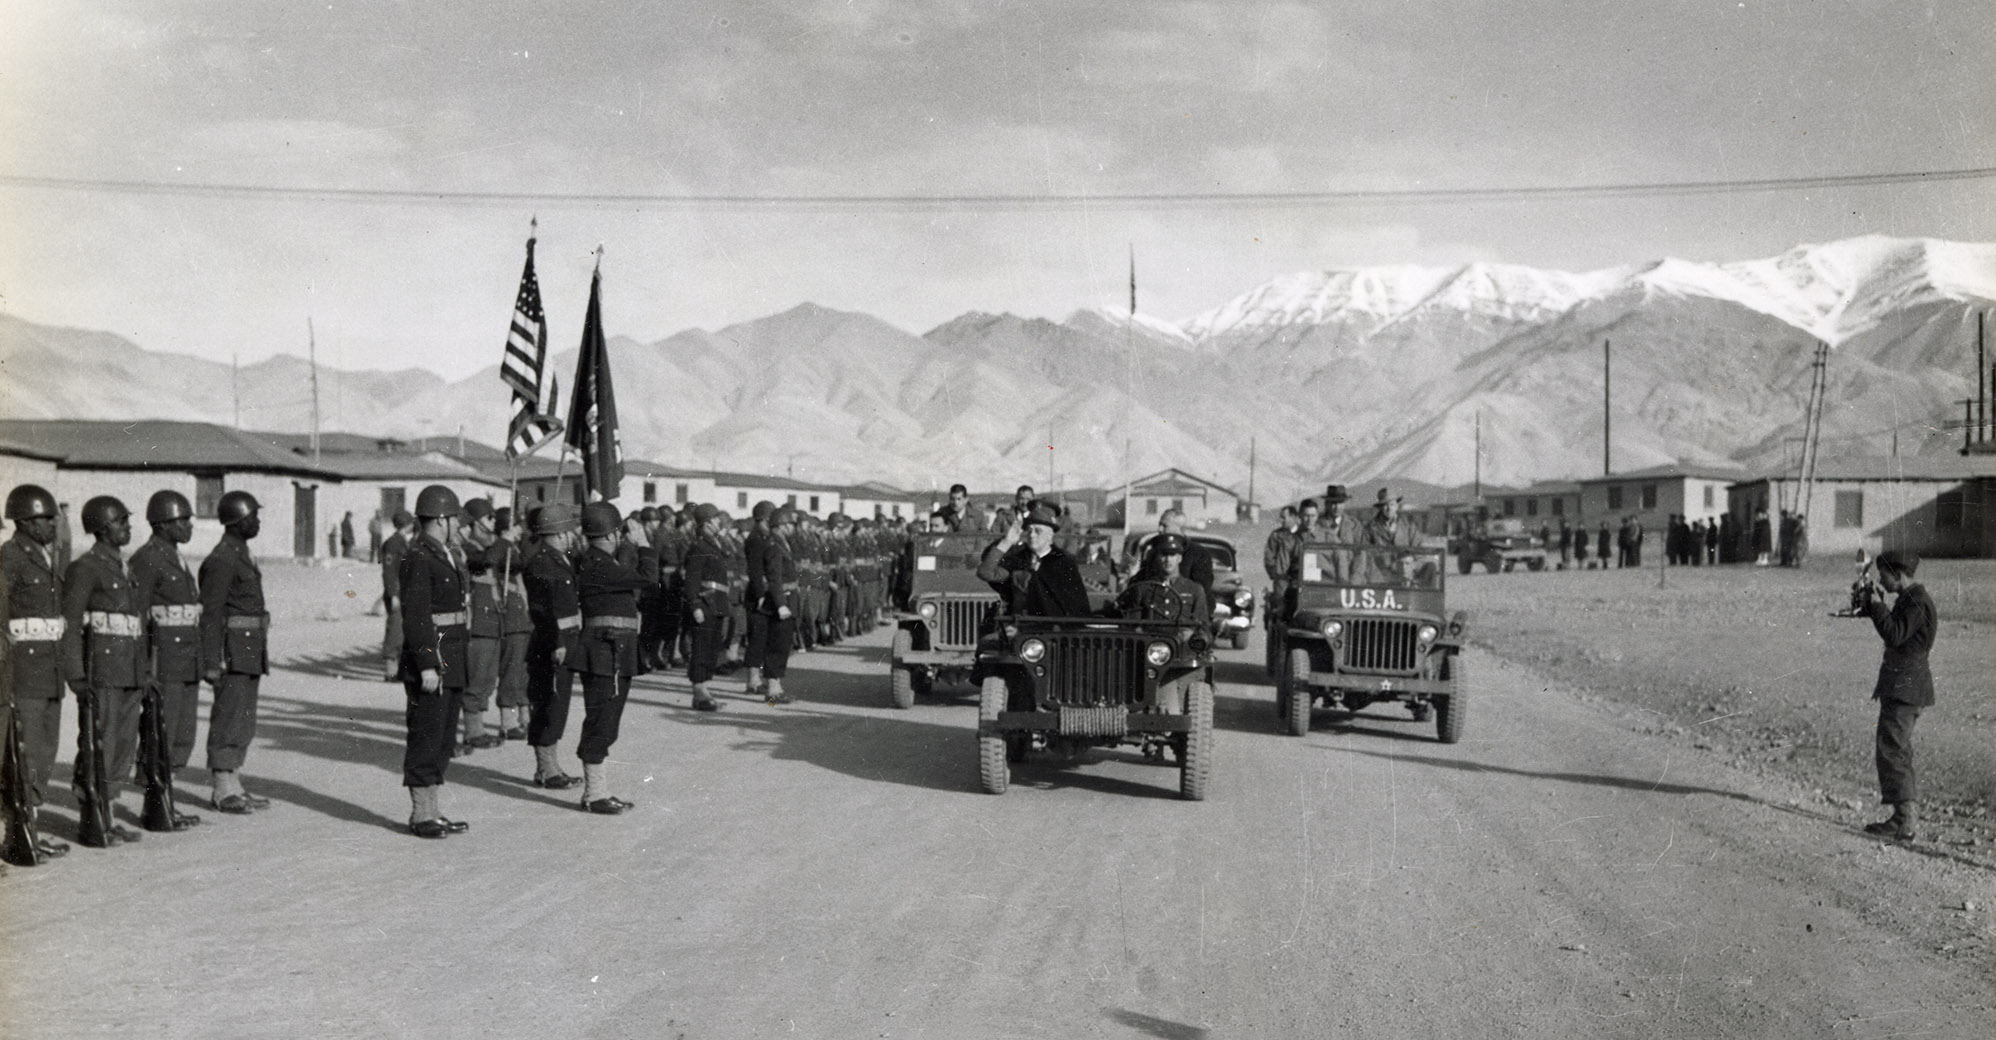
{"type": "Point", "coordinates": [532, 423]}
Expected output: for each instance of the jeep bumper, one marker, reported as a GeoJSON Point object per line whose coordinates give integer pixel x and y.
{"type": "Point", "coordinates": [1382, 685]}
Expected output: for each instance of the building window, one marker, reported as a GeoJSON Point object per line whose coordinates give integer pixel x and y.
{"type": "Point", "coordinates": [1559, 507]}
{"type": "Point", "coordinates": [1850, 509]}
{"type": "Point", "coordinates": [1649, 496]}
{"type": "Point", "coordinates": [790, 500]}
{"type": "Point", "coordinates": [207, 494]}
{"type": "Point", "coordinates": [741, 500]}
{"type": "Point", "coordinates": [391, 499]}
{"type": "Point", "coordinates": [1150, 507]}
{"type": "Point", "coordinates": [1709, 495]}
{"type": "Point", "coordinates": [679, 493]}
{"type": "Point", "coordinates": [651, 492]}
{"type": "Point", "coordinates": [1178, 504]}
{"type": "Point", "coordinates": [1614, 496]}
{"type": "Point", "coordinates": [1510, 507]}
{"type": "Point", "coordinates": [814, 503]}
{"type": "Point", "coordinates": [1531, 507]}
{"type": "Point", "coordinates": [897, 510]}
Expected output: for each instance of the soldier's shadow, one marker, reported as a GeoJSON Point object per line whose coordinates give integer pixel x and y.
{"type": "Point", "coordinates": [362, 663]}
{"type": "Point", "coordinates": [370, 736]}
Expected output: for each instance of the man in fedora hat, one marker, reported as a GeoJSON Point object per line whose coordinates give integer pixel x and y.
{"type": "Point", "coordinates": [1036, 577]}
{"type": "Point", "coordinates": [1388, 526]}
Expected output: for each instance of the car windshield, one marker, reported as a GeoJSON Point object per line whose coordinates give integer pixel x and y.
{"type": "Point", "coordinates": [949, 552]}
{"type": "Point", "coordinates": [1373, 565]}
{"type": "Point", "coordinates": [1221, 552]}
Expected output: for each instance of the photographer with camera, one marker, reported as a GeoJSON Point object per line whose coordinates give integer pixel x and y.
{"type": "Point", "coordinates": [1905, 685]}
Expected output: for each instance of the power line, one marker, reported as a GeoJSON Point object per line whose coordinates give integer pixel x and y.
{"type": "Point", "coordinates": [1048, 201]}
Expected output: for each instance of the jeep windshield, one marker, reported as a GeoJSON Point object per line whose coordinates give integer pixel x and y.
{"type": "Point", "coordinates": [1388, 566]}
{"type": "Point", "coordinates": [949, 552]}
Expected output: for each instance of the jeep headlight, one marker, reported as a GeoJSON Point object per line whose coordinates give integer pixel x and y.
{"type": "Point", "coordinates": [1428, 633]}
{"type": "Point", "coordinates": [927, 610]}
{"type": "Point", "coordinates": [1333, 629]}
{"type": "Point", "coordinates": [1158, 653]}
{"type": "Point", "coordinates": [1032, 650]}
{"type": "Point", "coordinates": [1243, 599]}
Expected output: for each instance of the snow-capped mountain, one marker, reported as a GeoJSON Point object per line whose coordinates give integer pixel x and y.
{"type": "Point", "coordinates": [1354, 374]}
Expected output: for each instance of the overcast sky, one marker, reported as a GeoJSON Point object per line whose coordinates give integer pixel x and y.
{"type": "Point", "coordinates": [934, 98]}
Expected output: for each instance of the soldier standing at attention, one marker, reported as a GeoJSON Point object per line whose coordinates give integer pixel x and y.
{"type": "Point", "coordinates": [391, 592]}
{"type": "Point", "coordinates": [170, 601]}
{"type": "Point", "coordinates": [234, 649]}
{"type": "Point", "coordinates": [103, 662]}
{"type": "Point", "coordinates": [435, 638]}
{"type": "Point", "coordinates": [608, 590]}
{"type": "Point", "coordinates": [552, 647]}
{"type": "Point", "coordinates": [481, 660]}
{"type": "Point", "coordinates": [705, 607]}
{"type": "Point", "coordinates": [31, 599]}
{"type": "Point", "coordinates": [772, 600]}
{"type": "Point", "coordinates": [503, 560]}
{"type": "Point", "coordinates": [1905, 686]}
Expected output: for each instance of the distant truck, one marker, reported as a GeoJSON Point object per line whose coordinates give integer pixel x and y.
{"type": "Point", "coordinates": [1498, 543]}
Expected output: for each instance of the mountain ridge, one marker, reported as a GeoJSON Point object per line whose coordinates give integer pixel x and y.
{"type": "Point", "coordinates": [1352, 374]}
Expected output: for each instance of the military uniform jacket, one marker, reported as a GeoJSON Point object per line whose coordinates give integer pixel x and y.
{"type": "Point", "coordinates": [552, 603]}
{"type": "Point", "coordinates": [706, 578]}
{"type": "Point", "coordinates": [170, 601]}
{"type": "Point", "coordinates": [772, 572]}
{"type": "Point", "coordinates": [31, 614]}
{"type": "Point", "coordinates": [392, 552]}
{"type": "Point", "coordinates": [608, 591]}
{"type": "Point", "coordinates": [233, 619]}
{"type": "Point", "coordinates": [1908, 631]}
{"type": "Point", "coordinates": [1146, 599]}
{"type": "Point", "coordinates": [483, 594]}
{"type": "Point", "coordinates": [435, 614]}
{"type": "Point", "coordinates": [1277, 553]}
{"type": "Point", "coordinates": [103, 637]}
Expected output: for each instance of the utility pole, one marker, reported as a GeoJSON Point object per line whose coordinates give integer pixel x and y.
{"type": "Point", "coordinates": [1981, 385]}
{"type": "Point", "coordinates": [312, 355]}
{"type": "Point", "coordinates": [1250, 477]}
{"type": "Point", "coordinates": [1607, 419]}
{"type": "Point", "coordinates": [236, 389]}
{"type": "Point", "coordinates": [1478, 469]}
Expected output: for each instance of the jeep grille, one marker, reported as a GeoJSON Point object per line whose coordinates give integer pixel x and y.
{"type": "Point", "coordinates": [960, 621]}
{"type": "Point", "coordinates": [1381, 644]}
{"type": "Point", "coordinates": [1094, 668]}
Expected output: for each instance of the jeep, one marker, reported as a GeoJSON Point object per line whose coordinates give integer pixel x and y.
{"type": "Point", "coordinates": [1371, 625]}
{"type": "Point", "coordinates": [948, 608]}
{"type": "Point", "coordinates": [1064, 685]}
{"type": "Point", "coordinates": [1499, 545]}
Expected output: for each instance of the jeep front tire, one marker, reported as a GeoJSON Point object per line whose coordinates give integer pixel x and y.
{"type": "Point", "coordinates": [901, 677]}
{"type": "Point", "coordinates": [1450, 707]}
{"type": "Point", "coordinates": [992, 769]}
{"type": "Point", "coordinates": [1195, 765]}
{"type": "Point", "coordinates": [1296, 677]}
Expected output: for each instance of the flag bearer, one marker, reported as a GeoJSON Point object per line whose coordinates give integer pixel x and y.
{"type": "Point", "coordinates": [608, 590]}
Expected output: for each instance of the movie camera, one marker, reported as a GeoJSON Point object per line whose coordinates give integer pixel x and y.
{"type": "Point", "coordinates": [1863, 591]}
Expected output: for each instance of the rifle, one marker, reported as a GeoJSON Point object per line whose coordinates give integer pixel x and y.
{"type": "Point", "coordinates": [22, 846]}
{"type": "Point", "coordinates": [95, 826]}
{"type": "Point", "coordinates": [156, 762]}
{"type": "Point", "coordinates": [1862, 590]}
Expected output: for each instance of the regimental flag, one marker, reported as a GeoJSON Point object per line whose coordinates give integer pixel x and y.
{"type": "Point", "coordinates": [592, 412]}
{"type": "Point", "coordinates": [532, 421]}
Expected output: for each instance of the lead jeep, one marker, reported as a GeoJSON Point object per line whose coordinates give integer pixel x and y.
{"type": "Point", "coordinates": [1371, 625]}
{"type": "Point", "coordinates": [1064, 685]}
{"type": "Point", "coordinates": [949, 608]}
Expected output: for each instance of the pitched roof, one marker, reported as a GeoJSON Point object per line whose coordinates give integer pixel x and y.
{"type": "Point", "coordinates": [1894, 467]}
{"type": "Point", "coordinates": [1165, 481]}
{"type": "Point", "coordinates": [155, 444]}
{"type": "Point", "coordinates": [1672, 470]}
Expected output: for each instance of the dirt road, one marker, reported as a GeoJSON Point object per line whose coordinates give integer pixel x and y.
{"type": "Point", "coordinates": [830, 870]}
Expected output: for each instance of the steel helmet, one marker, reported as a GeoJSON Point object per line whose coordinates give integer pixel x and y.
{"type": "Point", "coordinates": [30, 502]}
{"type": "Point", "coordinates": [167, 506]}
{"type": "Point", "coordinates": [101, 512]}
{"type": "Point", "coordinates": [236, 506]}
{"type": "Point", "coordinates": [762, 510]}
{"type": "Point", "coordinates": [600, 520]}
{"type": "Point", "coordinates": [554, 518]}
{"type": "Point", "coordinates": [476, 509]}
{"type": "Point", "coordinates": [436, 501]}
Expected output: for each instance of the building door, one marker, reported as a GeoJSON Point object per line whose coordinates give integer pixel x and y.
{"type": "Point", "coordinates": [304, 520]}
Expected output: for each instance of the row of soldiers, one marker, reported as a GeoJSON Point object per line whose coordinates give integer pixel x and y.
{"type": "Point", "coordinates": [608, 598]}
{"type": "Point", "coordinates": [131, 639]}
